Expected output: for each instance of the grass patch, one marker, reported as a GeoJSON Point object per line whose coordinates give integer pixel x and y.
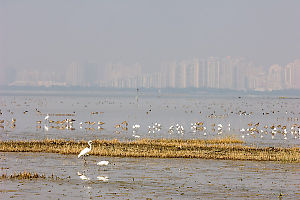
{"type": "Point", "coordinates": [27, 175]}
{"type": "Point", "coordinates": [228, 148]}
{"type": "Point", "coordinates": [23, 175]}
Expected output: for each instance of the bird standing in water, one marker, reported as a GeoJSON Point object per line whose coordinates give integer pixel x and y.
{"type": "Point", "coordinates": [103, 163]}
{"type": "Point", "coordinates": [86, 150]}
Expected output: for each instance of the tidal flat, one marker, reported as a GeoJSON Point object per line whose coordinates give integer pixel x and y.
{"type": "Point", "coordinates": [161, 147]}
{"type": "Point", "coordinates": [147, 178]}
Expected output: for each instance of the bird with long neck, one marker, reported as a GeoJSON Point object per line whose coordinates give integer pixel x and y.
{"type": "Point", "coordinates": [85, 151]}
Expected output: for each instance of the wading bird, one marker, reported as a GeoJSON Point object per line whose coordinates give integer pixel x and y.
{"type": "Point", "coordinates": [102, 178]}
{"type": "Point", "coordinates": [103, 163]}
{"type": "Point", "coordinates": [82, 176]}
{"type": "Point", "coordinates": [86, 150]}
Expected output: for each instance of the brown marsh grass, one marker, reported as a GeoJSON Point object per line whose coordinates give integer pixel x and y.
{"type": "Point", "coordinates": [228, 148]}
{"type": "Point", "coordinates": [23, 175]}
{"type": "Point", "coordinates": [27, 175]}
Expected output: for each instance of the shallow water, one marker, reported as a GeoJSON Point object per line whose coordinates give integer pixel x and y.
{"type": "Point", "coordinates": [141, 178]}
{"type": "Point", "coordinates": [166, 110]}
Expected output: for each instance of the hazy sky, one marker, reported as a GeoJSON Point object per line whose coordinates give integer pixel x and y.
{"type": "Point", "coordinates": [53, 33]}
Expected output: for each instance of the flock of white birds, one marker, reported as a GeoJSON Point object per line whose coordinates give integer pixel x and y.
{"type": "Point", "coordinates": [258, 130]}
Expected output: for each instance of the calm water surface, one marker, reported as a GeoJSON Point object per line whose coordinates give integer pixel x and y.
{"type": "Point", "coordinates": [143, 178]}
{"type": "Point", "coordinates": [220, 116]}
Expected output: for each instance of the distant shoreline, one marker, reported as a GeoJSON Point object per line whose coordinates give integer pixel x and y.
{"type": "Point", "coordinates": [95, 91]}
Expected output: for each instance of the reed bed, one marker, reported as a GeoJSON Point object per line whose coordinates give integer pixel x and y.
{"type": "Point", "coordinates": [28, 175]}
{"type": "Point", "coordinates": [228, 148]}
{"type": "Point", "coordinates": [23, 175]}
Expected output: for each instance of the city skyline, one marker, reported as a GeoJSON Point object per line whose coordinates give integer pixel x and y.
{"type": "Point", "coordinates": [52, 34]}
{"type": "Point", "coordinates": [211, 72]}
{"type": "Point", "coordinates": [170, 43]}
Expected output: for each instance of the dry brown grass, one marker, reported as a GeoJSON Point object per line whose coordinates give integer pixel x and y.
{"type": "Point", "coordinates": [23, 175]}
{"type": "Point", "coordinates": [28, 175]}
{"type": "Point", "coordinates": [226, 148]}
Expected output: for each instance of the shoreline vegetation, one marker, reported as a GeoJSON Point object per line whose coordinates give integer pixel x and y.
{"type": "Point", "coordinates": [228, 148]}
{"type": "Point", "coordinates": [27, 175]}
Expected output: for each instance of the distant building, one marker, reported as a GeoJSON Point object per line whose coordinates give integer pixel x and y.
{"type": "Point", "coordinates": [74, 74]}
{"type": "Point", "coordinates": [192, 73]}
{"type": "Point", "coordinates": [213, 72]}
{"type": "Point", "coordinates": [275, 78]}
{"type": "Point", "coordinates": [90, 74]}
{"type": "Point", "coordinates": [7, 75]}
{"type": "Point", "coordinates": [180, 75]}
{"type": "Point", "coordinates": [291, 73]}
{"type": "Point", "coordinates": [257, 79]}
{"type": "Point", "coordinates": [226, 73]}
{"type": "Point", "coordinates": [169, 74]}
{"type": "Point", "coordinates": [202, 71]}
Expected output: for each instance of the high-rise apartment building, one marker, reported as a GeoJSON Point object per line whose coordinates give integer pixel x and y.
{"type": "Point", "coordinates": [180, 75]}
{"type": "Point", "coordinates": [275, 78]}
{"type": "Point", "coordinates": [90, 74]}
{"type": "Point", "coordinates": [257, 79]}
{"type": "Point", "coordinates": [226, 73]}
{"type": "Point", "coordinates": [213, 72]}
{"type": "Point", "coordinates": [192, 73]}
{"type": "Point", "coordinates": [74, 74]}
{"type": "Point", "coordinates": [169, 74]}
{"type": "Point", "coordinates": [202, 71]}
{"type": "Point", "coordinates": [291, 73]}
{"type": "Point", "coordinates": [240, 73]}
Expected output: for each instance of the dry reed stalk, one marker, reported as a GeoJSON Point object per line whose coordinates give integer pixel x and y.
{"type": "Point", "coordinates": [224, 148]}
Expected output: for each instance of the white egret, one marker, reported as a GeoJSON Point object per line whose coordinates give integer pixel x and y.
{"type": "Point", "coordinates": [82, 176]}
{"type": "Point", "coordinates": [102, 178]}
{"type": "Point", "coordinates": [103, 163]}
{"type": "Point", "coordinates": [135, 128]}
{"type": "Point", "coordinates": [86, 150]}
{"type": "Point", "coordinates": [47, 117]}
